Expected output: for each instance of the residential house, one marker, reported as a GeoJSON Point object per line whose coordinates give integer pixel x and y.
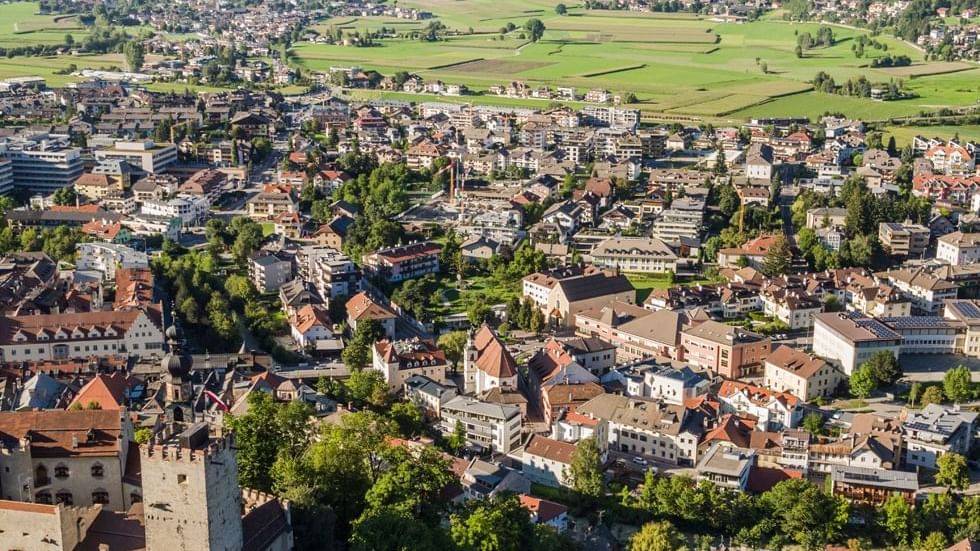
{"type": "Point", "coordinates": [404, 262]}
{"type": "Point", "coordinates": [399, 360]}
{"type": "Point", "coordinates": [774, 410]}
{"type": "Point", "coordinates": [936, 430]}
{"type": "Point", "coordinates": [362, 307]}
{"type": "Point", "coordinates": [491, 427]}
{"type": "Point", "coordinates": [729, 351]}
{"type": "Point", "coordinates": [546, 461]}
{"type": "Point", "coordinates": [635, 254]}
{"type": "Point", "coordinates": [800, 374]}
{"type": "Point", "coordinates": [958, 248]}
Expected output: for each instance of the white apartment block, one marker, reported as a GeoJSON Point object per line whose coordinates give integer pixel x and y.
{"type": "Point", "coordinates": [106, 257]}
{"type": "Point", "coordinates": [42, 163]}
{"type": "Point", "coordinates": [145, 156]}
{"type": "Point", "coordinates": [192, 211]}
{"type": "Point", "coordinates": [958, 248]}
{"type": "Point", "coordinates": [494, 427]}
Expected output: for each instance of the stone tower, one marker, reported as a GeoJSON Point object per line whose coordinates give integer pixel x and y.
{"type": "Point", "coordinates": [191, 497]}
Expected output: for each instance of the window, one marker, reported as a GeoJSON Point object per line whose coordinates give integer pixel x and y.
{"type": "Point", "coordinates": [182, 479]}
{"type": "Point", "coordinates": [135, 497]}
{"type": "Point", "coordinates": [64, 496]}
{"type": "Point", "coordinates": [97, 471]}
{"type": "Point", "coordinates": [100, 496]}
{"type": "Point", "coordinates": [61, 471]}
{"type": "Point", "coordinates": [43, 497]}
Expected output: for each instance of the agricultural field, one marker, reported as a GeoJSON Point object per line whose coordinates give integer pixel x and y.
{"type": "Point", "coordinates": [678, 65]}
{"type": "Point", "coordinates": [22, 25]}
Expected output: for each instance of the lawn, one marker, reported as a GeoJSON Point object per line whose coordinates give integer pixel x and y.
{"type": "Point", "coordinates": [646, 283]}
{"type": "Point", "coordinates": [22, 25]}
{"type": "Point", "coordinates": [904, 134]}
{"type": "Point", "coordinates": [676, 64]}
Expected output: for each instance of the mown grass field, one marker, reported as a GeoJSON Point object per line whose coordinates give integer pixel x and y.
{"type": "Point", "coordinates": [904, 134]}
{"type": "Point", "coordinates": [676, 64]}
{"type": "Point", "coordinates": [22, 25]}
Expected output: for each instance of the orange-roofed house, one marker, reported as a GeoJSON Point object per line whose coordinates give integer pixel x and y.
{"type": "Point", "coordinates": [546, 512]}
{"type": "Point", "coordinates": [773, 410]}
{"type": "Point", "coordinates": [487, 363]}
{"type": "Point", "coordinates": [70, 457]}
{"type": "Point", "coordinates": [547, 461]}
{"type": "Point", "coordinates": [110, 392]}
{"type": "Point", "coordinates": [310, 324]}
{"type": "Point", "coordinates": [755, 250]}
{"type": "Point", "coordinates": [362, 307]}
{"type": "Point", "coordinates": [805, 376]}
{"type": "Point", "coordinates": [400, 360]}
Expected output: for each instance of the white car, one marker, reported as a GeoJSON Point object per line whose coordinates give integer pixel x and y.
{"type": "Point", "coordinates": [640, 461]}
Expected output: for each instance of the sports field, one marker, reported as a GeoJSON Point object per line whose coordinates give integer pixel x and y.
{"type": "Point", "coordinates": [676, 64]}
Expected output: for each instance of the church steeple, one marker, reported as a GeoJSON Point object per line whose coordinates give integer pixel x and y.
{"type": "Point", "coordinates": [176, 367]}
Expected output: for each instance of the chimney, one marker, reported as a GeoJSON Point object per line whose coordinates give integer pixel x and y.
{"type": "Point", "coordinates": [74, 442]}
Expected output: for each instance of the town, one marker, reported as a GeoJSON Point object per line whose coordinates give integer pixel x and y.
{"type": "Point", "coordinates": [268, 313]}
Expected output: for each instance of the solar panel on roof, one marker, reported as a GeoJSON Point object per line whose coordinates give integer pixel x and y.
{"type": "Point", "coordinates": [969, 309]}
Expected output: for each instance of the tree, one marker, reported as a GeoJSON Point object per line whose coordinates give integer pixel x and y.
{"type": "Point", "coordinates": [135, 54]}
{"type": "Point", "coordinates": [65, 196]}
{"type": "Point", "coordinates": [457, 440]}
{"type": "Point", "coordinates": [534, 29]}
{"type": "Point", "coordinates": [536, 324]}
{"type": "Point", "coordinates": [932, 395]}
{"type": "Point", "coordinates": [408, 416]}
{"type": "Point", "coordinates": [863, 382]}
{"type": "Point", "coordinates": [143, 435]}
{"type": "Point", "coordinates": [813, 423]}
{"type": "Point", "coordinates": [656, 536]}
{"type": "Point", "coordinates": [585, 471]}
{"type": "Point", "coordinates": [914, 392]}
{"type": "Point", "coordinates": [898, 519]}
{"type": "Point", "coordinates": [885, 367]}
{"type": "Point", "coordinates": [263, 433]}
{"type": "Point", "coordinates": [779, 257]}
{"type": "Point", "coordinates": [367, 386]}
{"type": "Point", "coordinates": [500, 524]}
{"type": "Point", "coordinates": [69, 40]}
{"type": "Point", "coordinates": [952, 472]}
{"type": "Point", "coordinates": [935, 541]}
{"type": "Point", "coordinates": [560, 9]}
{"type": "Point", "coordinates": [453, 344]}
{"type": "Point", "coordinates": [804, 513]}
{"type": "Point", "coordinates": [957, 385]}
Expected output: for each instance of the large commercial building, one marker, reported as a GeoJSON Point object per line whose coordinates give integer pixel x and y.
{"type": "Point", "coordinates": [40, 163]}
{"type": "Point", "coordinates": [852, 338]}
{"type": "Point", "coordinates": [146, 157]}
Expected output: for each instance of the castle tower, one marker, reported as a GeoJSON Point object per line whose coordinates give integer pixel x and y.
{"type": "Point", "coordinates": [191, 497]}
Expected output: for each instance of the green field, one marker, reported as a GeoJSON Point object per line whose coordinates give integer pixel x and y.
{"type": "Point", "coordinates": [22, 25]}
{"type": "Point", "coordinates": [904, 134]}
{"type": "Point", "coordinates": [676, 64]}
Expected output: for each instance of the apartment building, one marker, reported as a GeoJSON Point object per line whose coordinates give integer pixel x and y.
{"type": "Point", "coordinates": [958, 248]}
{"type": "Point", "coordinates": [105, 258]}
{"type": "Point", "coordinates": [927, 291]}
{"type": "Point", "coordinates": [42, 163]}
{"type": "Point", "coordinates": [635, 332]}
{"type": "Point", "coordinates": [966, 312]}
{"type": "Point", "coordinates": [191, 211]}
{"type": "Point", "coordinates": [269, 271]}
{"type": "Point", "coordinates": [800, 374]}
{"type": "Point", "coordinates": [403, 262]}
{"type": "Point", "coordinates": [851, 338]}
{"type": "Point", "coordinates": [488, 426]}
{"type": "Point", "coordinates": [635, 254]}
{"type": "Point", "coordinates": [399, 360]}
{"type": "Point", "coordinates": [547, 461]}
{"type": "Point", "coordinates": [935, 430]}
{"type": "Point", "coordinates": [774, 410]}
{"type": "Point", "coordinates": [80, 335]}
{"type": "Point", "coordinates": [146, 157]}
{"type": "Point", "coordinates": [729, 351]}
{"type": "Point", "coordinates": [905, 240]}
